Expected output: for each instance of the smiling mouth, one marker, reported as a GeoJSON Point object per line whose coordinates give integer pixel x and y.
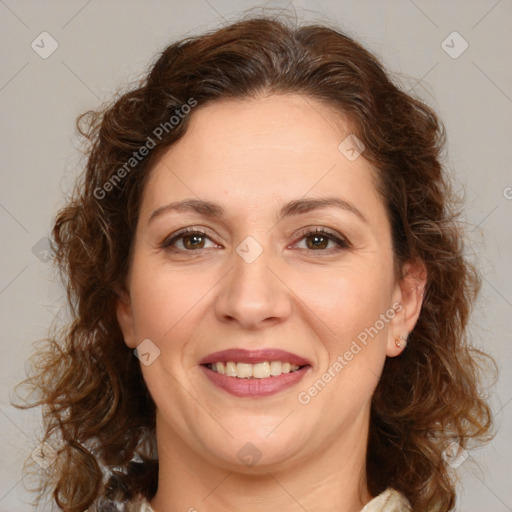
{"type": "Point", "coordinates": [261, 370]}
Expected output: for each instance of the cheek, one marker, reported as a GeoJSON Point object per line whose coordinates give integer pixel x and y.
{"type": "Point", "coordinates": [347, 301]}
{"type": "Point", "coordinates": [352, 305]}
{"type": "Point", "coordinates": [167, 301]}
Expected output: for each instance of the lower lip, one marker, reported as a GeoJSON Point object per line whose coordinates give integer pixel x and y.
{"type": "Point", "coordinates": [254, 387]}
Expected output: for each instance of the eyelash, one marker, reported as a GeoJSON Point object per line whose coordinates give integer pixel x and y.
{"type": "Point", "coordinates": [305, 233]}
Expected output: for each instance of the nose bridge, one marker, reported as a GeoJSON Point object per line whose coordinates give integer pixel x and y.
{"type": "Point", "coordinates": [251, 292]}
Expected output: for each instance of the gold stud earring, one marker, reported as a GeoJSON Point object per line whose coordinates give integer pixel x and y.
{"type": "Point", "coordinates": [401, 341]}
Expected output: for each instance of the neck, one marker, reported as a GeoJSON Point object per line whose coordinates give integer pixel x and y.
{"type": "Point", "coordinates": [328, 480]}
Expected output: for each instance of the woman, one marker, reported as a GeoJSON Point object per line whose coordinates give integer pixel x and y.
{"type": "Point", "coordinates": [268, 290]}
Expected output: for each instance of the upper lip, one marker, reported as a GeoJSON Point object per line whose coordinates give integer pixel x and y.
{"type": "Point", "coordinates": [241, 355]}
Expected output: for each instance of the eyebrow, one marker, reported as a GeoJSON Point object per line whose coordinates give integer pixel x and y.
{"type": "Point", "coordinates": [295, 207]}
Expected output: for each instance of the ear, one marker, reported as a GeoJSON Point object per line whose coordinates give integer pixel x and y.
{"type": "Point", "coordinates": [408, 296]}
{"type": "Point", "coordinates": [124, 315]}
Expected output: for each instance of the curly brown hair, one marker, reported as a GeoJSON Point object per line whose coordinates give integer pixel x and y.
{"type": "Point", "coordinates": [97, 410]}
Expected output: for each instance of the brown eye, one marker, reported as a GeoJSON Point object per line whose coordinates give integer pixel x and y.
{"type": "Point", "coordinates": [187, 240]}
{"type": "Point", "coordinates": [319, 239]}
{"type": "Point", "coordinates": [193, 241]}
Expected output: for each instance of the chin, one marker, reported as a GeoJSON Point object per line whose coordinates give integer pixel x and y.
{"type": "Point", "coordinates": [254, 450]}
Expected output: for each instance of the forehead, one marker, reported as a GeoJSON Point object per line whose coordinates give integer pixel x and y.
{"type": "Point", "coordinates": [274, 148]}
{"type": "Point", "coordinates": [277, 128]}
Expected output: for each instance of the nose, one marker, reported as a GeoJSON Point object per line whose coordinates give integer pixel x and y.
{"type": "Point", "coordinates": [252, 294]}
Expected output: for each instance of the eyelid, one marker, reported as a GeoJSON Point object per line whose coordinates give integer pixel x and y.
{"type": "Point", "coordinates": [167, 241]}
{"type": "Point", "coordinates": [341, 241]}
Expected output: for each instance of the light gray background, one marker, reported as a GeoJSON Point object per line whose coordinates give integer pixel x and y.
{"type": "Point", "coordinates": [103, 45]}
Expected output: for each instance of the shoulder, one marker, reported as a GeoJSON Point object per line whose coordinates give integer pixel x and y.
{"type": "Point", "coordinates": [139, 505]}
{"type": "Point", "coordinates": [388, 501]}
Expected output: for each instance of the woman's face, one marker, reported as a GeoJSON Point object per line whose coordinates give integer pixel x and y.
{"type": "Point", "coordinates": [258, 290]}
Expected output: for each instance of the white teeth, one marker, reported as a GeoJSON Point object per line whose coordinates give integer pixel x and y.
{"type": "Point", "coordinates": [261, 370]}
{"type": "Point", "coordinates": [253, 371]}
{"type": "Point", "coordinates": [243, 370]}
{"type": "Point", "coordinates": [275, 368]}
{"type": "Point", "coordinates": [230, 369]}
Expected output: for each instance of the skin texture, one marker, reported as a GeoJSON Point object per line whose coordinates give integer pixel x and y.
{"type": "Point", "coordinates": [251, 157]}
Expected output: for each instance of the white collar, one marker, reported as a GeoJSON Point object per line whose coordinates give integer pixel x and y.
{"type": "Point", "coordinates": [388, 501]}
